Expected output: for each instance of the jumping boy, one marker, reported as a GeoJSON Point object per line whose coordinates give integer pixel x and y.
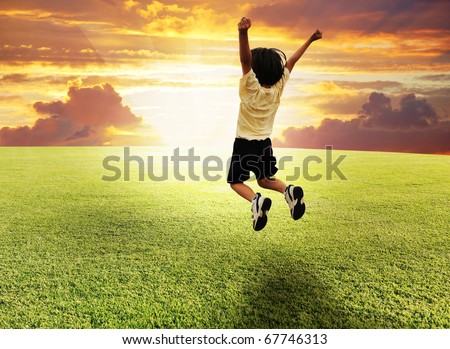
{"type": "Point", "coordinates": [265, 73]}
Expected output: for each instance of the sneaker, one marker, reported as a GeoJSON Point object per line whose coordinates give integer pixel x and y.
{"type": "Point", "coordinates": [294, 198]}
{"type": "Point", "coordinates": [260, 206]}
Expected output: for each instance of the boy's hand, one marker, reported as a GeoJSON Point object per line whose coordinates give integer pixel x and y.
{"type": "Point", "coordinates": [317, 35]}
{"type": "Point", "coordinates": [244, 24]}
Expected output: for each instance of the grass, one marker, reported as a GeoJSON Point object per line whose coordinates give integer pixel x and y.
{"type": "Point", "coordinates": [78, 252]}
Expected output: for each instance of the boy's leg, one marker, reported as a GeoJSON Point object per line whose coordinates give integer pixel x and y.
{"type": "Point", "coordinates": [294, 198]}
{"type": "Point", "coordinates": [272, 184]}
{"type": "Point", "coordinates": [260, 204]}
{"type": "Point", "coordinates": [243, 156]}
{"type": "Point", "coordinates": [292, 194]}
{"type": "Point", "coordinates": [243, 190]}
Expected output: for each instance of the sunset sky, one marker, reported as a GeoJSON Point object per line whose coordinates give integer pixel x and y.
{"type": "Point", "coordinates": [109, 72]}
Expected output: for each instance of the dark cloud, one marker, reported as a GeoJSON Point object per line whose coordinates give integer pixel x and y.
{"type": "Point", "coordinates": [84, 132]}
{"type": "Point", "coordinates": [83, 119]}
{"type": "Point", "coordinates": [413, 113]}
{"type": "Point", "coordinates": [414, 127]}
{"type": "Point", "coordinates": [50, 131]}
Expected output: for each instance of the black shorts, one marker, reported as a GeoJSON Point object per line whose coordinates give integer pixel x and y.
{"type": "Point", "coordinates": [255, 156]}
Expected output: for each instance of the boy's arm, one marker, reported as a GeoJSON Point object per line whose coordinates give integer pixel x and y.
{"type": "Point", "coordinates": [297, 54]}
{"type": "Point", "coordinates": [245, 54]}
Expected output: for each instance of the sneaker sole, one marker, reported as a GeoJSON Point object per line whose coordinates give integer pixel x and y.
{"type": "Point", "coordinates": [299, 208]}
{"type": "Point", "coordinates": [262, 221]}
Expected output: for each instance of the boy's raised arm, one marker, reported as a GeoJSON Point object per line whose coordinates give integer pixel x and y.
{"type": "Point", "coordinates": [297, 54]}
{"type": "Point", "coordinates": [245, 54]}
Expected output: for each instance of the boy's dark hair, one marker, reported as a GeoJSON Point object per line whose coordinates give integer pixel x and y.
{"type": "Point", "coordinates": [268, 65]}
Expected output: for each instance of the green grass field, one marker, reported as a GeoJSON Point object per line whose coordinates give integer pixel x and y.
{"type": "Point", "coordinates": [78, 252]}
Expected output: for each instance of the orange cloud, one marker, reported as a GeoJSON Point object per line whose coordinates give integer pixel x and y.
{"type": "Point", "coordinates": [358, 36]}
{"type": "Point", "coordinates": [174, 20]}
{"type": "Point", "coordinates": [376, 16]}
{"type": "Point", "coordinates": [29, 41]}
{"type": "Point", "coordinates": [85, 118]}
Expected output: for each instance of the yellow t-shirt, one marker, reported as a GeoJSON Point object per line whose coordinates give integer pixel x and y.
{"type": "Point", "coordinates": [258, 106]}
